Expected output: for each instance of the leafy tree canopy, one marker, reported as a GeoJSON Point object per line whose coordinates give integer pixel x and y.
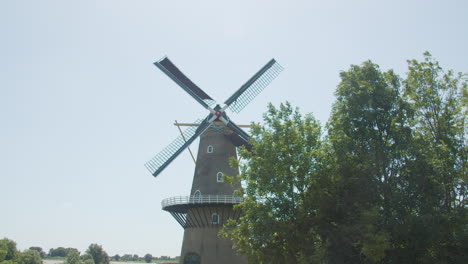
{"type": "Point", "coordinates": [62, 252]}
{"type": "Point", "coordinates": [39, 249]}
{"type": "Point", "coordinates": [98, 254]}
{"type": "Point", "coordinates": [148, 258]}
{"type": "Point", "coordinates": [73, 258]}
{"type": "Point", "coordinates": [386, 184]}
{"type": "Point", "coordinates": [8, 251]}
{"type": "Point", "coordinates": [30, 257]}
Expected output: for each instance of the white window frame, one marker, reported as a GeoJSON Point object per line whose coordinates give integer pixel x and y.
{"type": "Point", "coordinates": [218, 178]}
{"type": "Point", "coordinates": [217, 219]}
{"type": "Point", "coordinates": [197, 196]}
{"type": "Point", "coordinates": [210, 147]}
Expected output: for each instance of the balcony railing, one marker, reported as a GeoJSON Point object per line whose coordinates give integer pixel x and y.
{"type": "Point", "coordinates": [201, 199]}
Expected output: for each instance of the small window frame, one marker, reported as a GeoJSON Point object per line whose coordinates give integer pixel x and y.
{"type": "Point", "coordinates": [219, 176]}
{"type": "Point", "coordinates": [210, 149]}
{"type": "Point", "coordinates": [197, 196]}
{"type": "Point", "coordinates": [215, 219]}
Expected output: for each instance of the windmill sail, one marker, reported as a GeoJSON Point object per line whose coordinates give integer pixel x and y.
{"type": "Point", "coordinates": [236, 103]}
{"type": "Point", "coordinates": [254, 86]}
{"type": "Point", "coordinates": [183, 81]}
{"type": "Point", "coordinates": [168, 154]}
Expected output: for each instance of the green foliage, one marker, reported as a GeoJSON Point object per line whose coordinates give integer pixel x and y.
{"type": "Point", "coordinates": [127, 257]}
{"type": "Point", "coordinates": [30, 257]}
{"type": "Point", "coordinates": [387, 184]}
{"type": "Point", "coordinates": [436, 172]}
{"type": "Point", "coordinates": [61, 252]}
{"type": "Point", "coordinates": [148, 258]}
{"type": "Point", "coordinates": [98, 254]}
{"type": "Point", "coordinates": [73, 258]}
{"type": "Point", "coordinates": [87, 259]}
{"type": "Point", "coordinates": [8, 251]}
{"type": "Point", "coordinates": [10, 255]}
{"type": "Point", "coordinates": [3, 250]}
{"type": "Point", "coordinates": [39, 250]}
{"type": "Point", "coordinates": [368, 131]}
{"type": "Point", "coordinates": [279, 203]}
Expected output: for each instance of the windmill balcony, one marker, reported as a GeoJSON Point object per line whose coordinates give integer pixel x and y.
{"type": "Point", "coordinates": [199, 211]}
{"type": "Point", "coordinates": [198, 200]}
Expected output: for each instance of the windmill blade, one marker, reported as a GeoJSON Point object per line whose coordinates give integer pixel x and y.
{"type": "Point", "coordinates": [168, 154]}
{"type": "Point", "coordinates": [254, 86]}
{"type": "Point", "coordinates": [166, 66]}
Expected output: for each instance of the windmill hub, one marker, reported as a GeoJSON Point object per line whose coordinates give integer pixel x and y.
{"type": "Point", "coordinates": [210, 203]}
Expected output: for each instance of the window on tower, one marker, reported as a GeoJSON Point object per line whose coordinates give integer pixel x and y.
{"type": "Point", "coordinates": [214, 219]}
{"type": "Point", "coordinates": [219, 177]}
{"type": "Point", "coordinates": [197, 196]}
{"type": "Point", "coordinates": [210, 149]}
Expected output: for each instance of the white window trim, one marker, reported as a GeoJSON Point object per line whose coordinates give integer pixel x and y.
{"type": "Point", "coordinates": [217, 219]}
{"type": "Point", "coordinates": [219, 179]}
{"type": "Point", "coordinates": [208, 149]}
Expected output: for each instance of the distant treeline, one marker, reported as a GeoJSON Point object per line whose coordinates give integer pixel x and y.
{"type": "Point", "coordinates": [94, 254]}
{"type": "Point", "coordinates": [9, 254]}
{"type": "Point", "coordinates": [64, 252]}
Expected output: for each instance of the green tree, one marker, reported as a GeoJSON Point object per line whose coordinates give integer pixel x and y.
{"type": "Point", "coordinates": [87, 259]}
{"type": "Point", "coordinates": [39, 249]}
{"type": "Point", "coordinates": [98, 254]}
{"type": "Point", "coordinates": [3, 251]}
{"type": "Point", "coordinates": [432, 226]}
{"type": "Point", "coordinates": [30, 257]}
{"type": "Point", "coordinates": [73, 257]}
{"type": "Point", "coordinates": [440, 101]}
{"type": "Point", "coordinates": [368, 131]}
{"type": "Point", "coordinates": [127, 257]}
{"type": "Point", "coordinates": [72, 250]}
{"type": "Point", "coordinates": [386, 185]}
{"type": "Point", "coordinates": [8, 251]}
{"type": "Point", "coordinates": [148, 258]}
{"type": "Point", "coordinates": [58, 252]}
{"type": "Point", "coordinates": [283, 175]}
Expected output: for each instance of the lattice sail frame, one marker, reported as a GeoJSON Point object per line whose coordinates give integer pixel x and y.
{"type": "Point", "coordinates": [157, 161]}
{"type": "Point", "coordinates": [255, 86]}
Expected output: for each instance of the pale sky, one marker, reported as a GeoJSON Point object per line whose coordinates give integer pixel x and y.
{"type": "Point", "coordinates": [82, 107]}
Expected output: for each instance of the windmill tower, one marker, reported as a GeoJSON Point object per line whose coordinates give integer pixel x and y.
{"type": "Point", "coordinates": [210, 203]}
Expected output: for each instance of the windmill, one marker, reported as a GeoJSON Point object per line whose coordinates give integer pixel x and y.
{"type": "Point", "coordinates": [210, 203]}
